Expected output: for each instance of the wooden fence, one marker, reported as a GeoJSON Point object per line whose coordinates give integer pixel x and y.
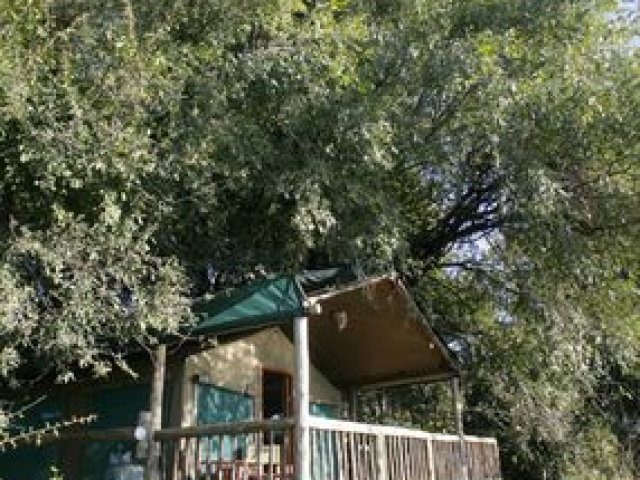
{"type": "Point", "coordinates": [263, 450]}
{"type": "Point", "coordinates": [357, 451]}
{"type": "Point", "coordinates": [259, 450]}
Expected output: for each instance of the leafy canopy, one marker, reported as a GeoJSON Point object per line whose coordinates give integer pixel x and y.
{"type": "Point", "coordinates": [485, 149]}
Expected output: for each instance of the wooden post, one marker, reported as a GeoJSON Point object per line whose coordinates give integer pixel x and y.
{"type": "Point", "coordinates": [157, 389]}
{"type": "Point", "coordinates": [353, 404]}
{"type": "Point", "coordinates": [302, 461]}
{"type": "Point", "coordinates": [458, 407]}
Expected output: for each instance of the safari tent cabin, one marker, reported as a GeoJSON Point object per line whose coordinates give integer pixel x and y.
{"type": "Point", "coordinates": [264, 387]}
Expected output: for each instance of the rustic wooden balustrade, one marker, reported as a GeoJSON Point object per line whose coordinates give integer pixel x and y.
{"type": "Point", "coordinates": [263, 450]}
{"type": "Point", "coordinates": [250, 450]}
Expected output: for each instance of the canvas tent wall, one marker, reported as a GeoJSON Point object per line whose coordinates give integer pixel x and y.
{"type": "Point", "coordinates": [238, 367]}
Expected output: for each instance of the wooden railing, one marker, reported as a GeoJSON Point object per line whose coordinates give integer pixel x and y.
{"type": "Point", "coordinates": [263, 450]}
{"type": "Point", "coordinates": [357, 451]}
{"type": "Point", "coordinates": [255, 450]}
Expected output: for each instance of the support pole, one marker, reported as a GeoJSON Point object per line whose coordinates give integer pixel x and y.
{"type": "Point", "coordinates": [458, 405]}
{"type": "Point", "coordinates": [157, 391]}
{"type": "Point", "coordinates": [301, 399]}
{"type": "Point", "coordinates": [353, 404]}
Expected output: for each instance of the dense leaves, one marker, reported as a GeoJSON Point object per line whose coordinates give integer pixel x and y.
{"type": "Point", "coordinates": [486, 150]}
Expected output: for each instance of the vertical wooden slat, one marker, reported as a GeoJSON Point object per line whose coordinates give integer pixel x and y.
{"type": "Point", "coordinates": [155, 405]}
{"type": "Point", "coordinates": [424, 464]}
{"type": "Point", "coordinates": [220, 459]}
{"type": "Point", "coordinates": [370, 449]}
{"type": "Point", "coordinates": [361, 457]}
{"type": "Point", "coordinates": [187, 457]}
{"type": "Point", "coordinates": [421, 467]}
{"type": "Point", "coordinates": [409, 458]}
{"type": "Point", "coordinates": [283, 457]}
{"type": "Point", "coordinates": [259, 454]}
{"type": "Point", "coordinates": [196, 455]}
{"type": "Point", "coordinates": [471, 464]}
{"type": "Point", "coordinates": [328, 455]}
{"type": "Point", "coordinates": [364, 448]}
{"type": "Point", "coordinates": [413, 458]}
{"type": "Point", "coordinates": [234, 448]}
{"type": "Point", "coordinates": [364, 464]}
{"type": "Point", "coordinates": [398, 456]}
{"type": "Point", "coordinates": [207, 460]}
{"type": "Point", "coordinates": [340, 455]}
{"type": "Point", "coordinates": [368, 458]}
{"type": "Point", "coordinates": [245, 457]}
{"type": "Point", "coordinates": [314, 453]}
{"type": "Point", "coordinates": [182, 466]}
{"type": "Point", "coordinates": [271, 447]}
{"type": "Point", "coordinates": [444, 460]}
{"type": "Point", "coordinates": [324, 458]}
{"type": "Point", "coordinates": [483, 460]}
{"type": "Point", "coordinates": [175, 463]}
{"type": "Point", "coordinates": [439, 453]}
{"type": "Point", "coordinates": [356, 458]}
{"type": "Point", "coordinates": [391, 458]}
{"type": "Point", "coordinates": [347, 456]}
{"type": "Point", "coordinates": [422, 460]}
{"type": "Point", "coordinates": [403, 458]}
{"type": "Point", "coordinates": [431, 460]}
{"type": "Point", "coordinates": [411, 452]}
{"type": "Point", "coordinates": [335, 455]}
{"type": "Point", "coordinates": [402, 444]}
{"type": "Point", "coordinates": [326, 445]}
{"type": "Point", "coordinates": [417, 451]}
{"type": "Point", "coordinates": [352, 456]}
{"type": "Point", "coordinates": [381, 458]}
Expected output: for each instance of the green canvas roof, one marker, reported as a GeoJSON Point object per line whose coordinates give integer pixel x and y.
{"type": "Point", "coordinates": [258, 304]}
{"type": "Point", "coordinates": [264, 302]}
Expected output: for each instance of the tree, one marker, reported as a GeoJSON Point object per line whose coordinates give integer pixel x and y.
{"type": "Point", "coordinates": [484, 149]}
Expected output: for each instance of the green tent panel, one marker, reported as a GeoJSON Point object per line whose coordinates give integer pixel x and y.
{"type": "Point", "coordinates": [264, 302]}
{"type": "Point", "coordinates": [260, 303]}
{"type": "Point", "coordinates": [219, 405]}
{"type": "Point", "coordinates": [114, 407]}
{"type": "Point", "coordinates": [324, 410]}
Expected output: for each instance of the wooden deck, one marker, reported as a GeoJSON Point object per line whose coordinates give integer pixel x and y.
{"type": "Point", "coordinates": [340, 450]}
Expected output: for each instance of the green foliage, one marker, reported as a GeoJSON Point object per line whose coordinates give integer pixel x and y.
{"type": "Point", "coordinates": [486, 150]}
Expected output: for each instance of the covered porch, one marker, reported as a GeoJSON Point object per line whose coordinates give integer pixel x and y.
{"type": "Point", "coordinates": [361, 334]}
